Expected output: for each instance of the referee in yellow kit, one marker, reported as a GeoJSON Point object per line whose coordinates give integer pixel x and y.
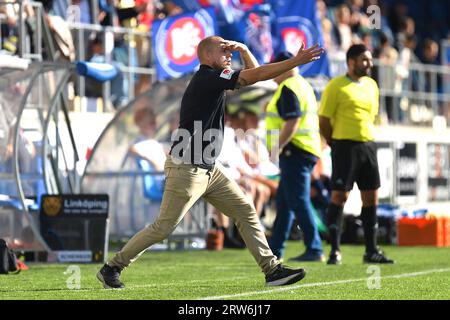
{"type": "Point", "coordinates": [348, 108]}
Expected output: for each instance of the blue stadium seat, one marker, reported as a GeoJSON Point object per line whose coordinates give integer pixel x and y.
{"type": "Point", "coordinates": [100, 72]}
{"type": "Point", "coordinates": [153, 183]}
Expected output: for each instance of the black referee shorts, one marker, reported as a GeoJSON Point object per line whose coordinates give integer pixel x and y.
{"type": "Point", "coordinates": [354, 161]}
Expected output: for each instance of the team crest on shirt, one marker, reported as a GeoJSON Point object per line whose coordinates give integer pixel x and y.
{"type": "Point", "coordinates": [226, 74]}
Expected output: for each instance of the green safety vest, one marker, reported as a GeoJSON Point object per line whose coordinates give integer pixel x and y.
{"type": "Point", "coordinates": [307, 136]}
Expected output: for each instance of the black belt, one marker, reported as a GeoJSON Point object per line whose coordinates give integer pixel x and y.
{"type": "Point", "coordinates": [201, 166]}
{"type": "Point", "coordinates": [204, 166]}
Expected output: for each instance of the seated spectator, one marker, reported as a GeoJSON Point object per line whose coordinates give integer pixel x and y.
{"type": "Point", "coordinates": [59, 30]}
{"type": "Point", "coordinates": [358, 18]}
{"type": "Point", "coordinates": [174, 7]}
{"type": "Point", "coordinates": [232, 158]}
{"type": "Point", "coordinates": [407, 77]}
{"type": "Point", "coordinates": [9, 28]}
{"type": "Point", "coordinates": [84, 9]}
{"type": "Point", "coordinates": [119, 85]}
{"type": "Point", "coordinates": [430, 53]}
{"type": "Point", "coordinates": [397, 15]}
{"type": "Point", "coordinates": [143, 42]}
{"type": "Point", "coordinates": [407, 28]}
{"type": "Point", "coordinates": [384, 24]}
{"type": "Point", "coordinates": [327, 28]}
{"type": "Point", "coordinates": [342, 29]}
{"type": "Point", "coordinates": [114, 13]}
{"type": "Point", "coordinates": [433, 81]}
{"type": "Point", "coordinates": [146, 146]}
{"type": "Point", "coordinates": [234, 163]}
{"type": "Point", "coordinates": [367, 40]}
{"type": "Point", "coordinates": [430, 56]}
{"type": "Point", "coordinates": [258, 158]}
{"type": "Point", "coordinates": [251, 148]}
{"type": "Point", "coordinates": [387, 78]}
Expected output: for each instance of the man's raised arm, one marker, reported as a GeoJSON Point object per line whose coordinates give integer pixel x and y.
{"type": "Point", "coordinates": [269, 71]}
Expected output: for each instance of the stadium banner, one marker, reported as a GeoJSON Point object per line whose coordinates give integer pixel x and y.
{"type": "Point", "coordinates": [248, 23]}
{"type": "Point", "coordinates": [175, 41]}
{"type": "Point", "coordinates": [258, 36]}
{"type": "Point", "coordinates": [229, 16]}
{"type": "Point", "coordinates": [406, 169]}
{"type": "Point", "coordinates": [75, 226]}
{"type": "Point", "coordinates": [445, 48]}
{"type": "Point", "coordinates": [438, 172]}
{"type": "Point", "coordinates": [385, 156]}
{"type": "Point", "coordinates": [447, 54]}
{"type": "Point", "coordinates": [296, 22]}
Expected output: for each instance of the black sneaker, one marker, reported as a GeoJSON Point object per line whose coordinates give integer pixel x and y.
{"type": "Point", "coordinates": [284, 276]}
{"type": "Point", "coordinates": [376, 257]}
{"type": "Point", "coordinates": [109, 276]}
{"type": "Point", "coordinates": [335, 258]}
{"type": "Point", "coordinates": [308, 257]}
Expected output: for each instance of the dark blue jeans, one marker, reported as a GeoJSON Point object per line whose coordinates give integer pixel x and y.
{"type": "Point", "coordinates": [293, 201]}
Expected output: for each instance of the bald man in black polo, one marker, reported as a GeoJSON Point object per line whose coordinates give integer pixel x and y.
{"type": "Point", "coordinates": [191, 171]}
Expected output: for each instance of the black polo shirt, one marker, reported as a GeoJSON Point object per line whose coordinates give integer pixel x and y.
{"type": "Point", "coordinates": [199, 137]}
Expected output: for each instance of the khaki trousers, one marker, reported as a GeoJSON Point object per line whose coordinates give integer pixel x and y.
{"type": "Point", "coordinates": [185, 184]}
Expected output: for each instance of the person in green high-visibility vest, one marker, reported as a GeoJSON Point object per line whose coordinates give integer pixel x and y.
{"type": "Point", "coordinates": [292, 127]}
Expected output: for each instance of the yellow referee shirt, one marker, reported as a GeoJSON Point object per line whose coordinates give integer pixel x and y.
{"type": "Point", "coordinates": [351, 106]}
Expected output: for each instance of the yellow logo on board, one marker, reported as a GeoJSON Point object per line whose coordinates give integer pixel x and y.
{"type": "Point", "coordinates": [52, 205]}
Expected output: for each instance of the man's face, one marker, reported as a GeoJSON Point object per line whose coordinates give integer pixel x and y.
{"type": "Point", "coordinates": [362, 64]}
{"type": "Point", "coordinates": [147, 126]}
{"type": "Point", "coordinates": [220, 58]}
{"type": "Point", "coordinates": [431, 52]}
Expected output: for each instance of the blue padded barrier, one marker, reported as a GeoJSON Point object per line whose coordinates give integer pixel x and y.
{"type": "Point", "coordinates": [101, 72]}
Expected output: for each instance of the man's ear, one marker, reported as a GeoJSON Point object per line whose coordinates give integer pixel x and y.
{"type": "Point", "coordinates": [203, 57]}
{"type": "Point", "coordinates": [351, 64]}
{"type": "Point", "coordinates": [207, 55]}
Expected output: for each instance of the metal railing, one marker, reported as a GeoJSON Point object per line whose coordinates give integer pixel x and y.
{"type": "Point", "coordinates": [37, 107]}
{"type": "Point", "coordinates": [130, 210]}
{"type": "Point", "coordinates": [82, 33]}
{"type": "Point", "coordinates": [108, 36]}
{"type": "Point", "coordinates": [415, 95]}
{"type": "Point", "coordinates": [26, 40]}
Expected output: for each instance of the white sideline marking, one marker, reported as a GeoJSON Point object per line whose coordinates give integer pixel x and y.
{"type": "Point", "coordinates": [184, 282]}
{"type": "Point", "coordinates": [320, 284]}
{"type": "Point", "coordinates": [138, 286]}
{"type": "Point", "coordinates": [252, 293]}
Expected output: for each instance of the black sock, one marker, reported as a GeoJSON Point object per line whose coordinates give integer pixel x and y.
{"type": "Point", "coordinates": [334, 218]}
{"type": "Point", "coordinates": [370, 226]}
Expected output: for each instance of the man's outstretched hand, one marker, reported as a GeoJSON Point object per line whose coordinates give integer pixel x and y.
{"type": "Point", "coordinates": [305, 56]}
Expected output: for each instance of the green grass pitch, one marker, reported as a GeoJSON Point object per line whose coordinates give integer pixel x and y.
{"type": "Point", "coordinates": [419, 273]}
